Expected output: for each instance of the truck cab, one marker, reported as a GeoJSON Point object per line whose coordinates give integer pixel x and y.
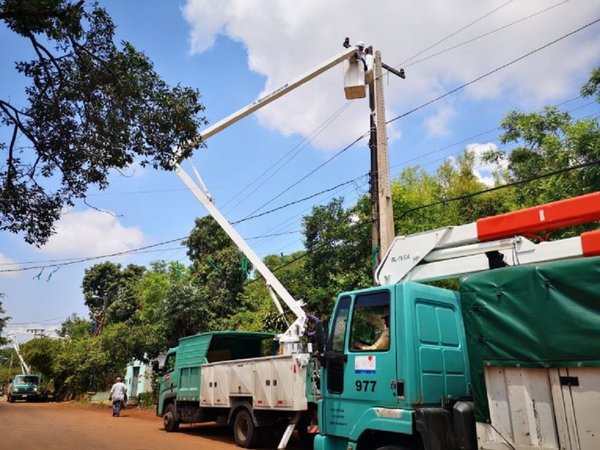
{"type": "Point", "coordinates": [404, 383]}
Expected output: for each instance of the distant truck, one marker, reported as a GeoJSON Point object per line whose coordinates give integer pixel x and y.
{"type": "Point", "coordinates": [235, 378]}
{"type": "Point", "coordinates": [24, 387]}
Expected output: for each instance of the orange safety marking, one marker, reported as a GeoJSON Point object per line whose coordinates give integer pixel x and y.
{"type": "Point", "coordinates": [590, 243]}
{"type": "Point", "coordinates": [551, 216]}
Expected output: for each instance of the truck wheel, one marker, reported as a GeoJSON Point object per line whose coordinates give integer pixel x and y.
{"type": "Point", "coordinates": [246, 434]}
{"type": "Point", "coordinates": [170, 419]}
{"type": "Point", "coordinates": [11, 399]}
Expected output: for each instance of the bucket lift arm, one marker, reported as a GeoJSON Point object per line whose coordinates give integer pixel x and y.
{"type": "Point", "coordinates": [358, 64]}
{"type": "Point", "coordinates": [24, 367]}
{"type": "Point", "coordinates": [492, 242]}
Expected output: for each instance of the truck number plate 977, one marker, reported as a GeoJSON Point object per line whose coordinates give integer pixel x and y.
{"type": "Point", "coordinates": [365, 385]}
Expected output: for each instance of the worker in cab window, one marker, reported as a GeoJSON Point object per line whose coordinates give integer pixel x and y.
{"type": "Point", "coordinates": [383, 340]}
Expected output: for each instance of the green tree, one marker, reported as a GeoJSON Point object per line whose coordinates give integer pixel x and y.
{"type": "Point", "coordinates": [109, 291]}
{"type": "Point", "coordinates": [338, 245]}
{"type": "Point", "coordinates": [3, 321]}
{"type": "Point", "coordinates": [39, 354]}
{"type": "Point", "coordinates": [592, 86]}
{"type": "Point", "coordinates": [91, 107]}
{"type": "Point", "coordinates": [171, 305]}
{"type": "Point", "coordinates": [549, 142]}
{"type": "Point", "coordinates": [257, 312]}
{"type": "Point", "coordinates": [75, 327]}
{"type": "Point", "coordinates": [217, 267]}
{"type": "Point", "coordinates": [552, 142]}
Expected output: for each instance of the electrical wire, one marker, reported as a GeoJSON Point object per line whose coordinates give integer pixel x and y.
{"type": "Point", "coordinates": [469, 41]}
{"type": "Point", "coordinates": [297, 201]}
{"type": "Point", "coordinates": [296, 150]}
{"type": "Point", "coordinates": [491, 72]}
{"type": "Point", "coordinates": [310, 173]}
{"type": "Point", "coordinates": [455, 33]}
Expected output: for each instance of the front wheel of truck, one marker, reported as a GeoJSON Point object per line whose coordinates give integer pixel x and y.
{"type": "Point", "coordinates": [170, 419]}
{"type": "Point", "coordinates": [246, 434]}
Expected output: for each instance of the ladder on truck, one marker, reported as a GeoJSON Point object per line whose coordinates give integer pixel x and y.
{"type": "Point", "coordinates": [493, 242]}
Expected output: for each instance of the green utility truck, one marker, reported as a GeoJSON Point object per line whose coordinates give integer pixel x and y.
{"type": "Point", "coordinates": [510, 361]}
{"type": "Point", "coordinates": [234, 378]}
{"type": "Point", "coordinates": [24, 387]}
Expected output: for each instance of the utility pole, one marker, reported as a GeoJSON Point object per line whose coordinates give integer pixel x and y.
{"type": "Point", "coordinates": [382, 229]}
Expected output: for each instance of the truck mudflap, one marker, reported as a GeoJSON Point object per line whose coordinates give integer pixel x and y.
{"type": "Point", "coordinates": [442, 429]}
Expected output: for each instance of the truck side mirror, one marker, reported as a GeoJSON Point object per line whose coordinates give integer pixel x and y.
{"type": "Point", "coordinates": [320, 338]}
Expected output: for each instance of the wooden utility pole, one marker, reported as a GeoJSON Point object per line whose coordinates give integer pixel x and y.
{"type": "Point", "coordinates": [381, 196]}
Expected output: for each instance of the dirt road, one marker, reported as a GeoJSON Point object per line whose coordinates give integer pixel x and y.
{"type": "Point", "coordinates": [71, 426]}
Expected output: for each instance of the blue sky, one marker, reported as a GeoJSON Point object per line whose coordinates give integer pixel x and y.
{"type": "Point", "coordinates": [235, 51]}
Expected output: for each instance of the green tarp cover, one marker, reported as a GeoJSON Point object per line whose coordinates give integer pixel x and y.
{"type": "Point", "coordinates": [531, 316]}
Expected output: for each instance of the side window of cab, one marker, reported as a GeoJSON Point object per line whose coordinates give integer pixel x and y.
{"type": "Point", "coordinates": [170, 363]}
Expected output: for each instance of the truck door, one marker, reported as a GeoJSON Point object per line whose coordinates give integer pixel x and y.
{"type": "Point", "coordinates": [168, 382]}
{"type": "Point", "coordinates": [361, 361]}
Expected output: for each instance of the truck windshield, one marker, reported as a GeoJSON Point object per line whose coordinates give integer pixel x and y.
{"type": "Point", "coordinates": [27, 379]}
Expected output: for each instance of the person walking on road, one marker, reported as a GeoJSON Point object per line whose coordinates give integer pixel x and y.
{"type": "Point", "coordinates": [118, 395]}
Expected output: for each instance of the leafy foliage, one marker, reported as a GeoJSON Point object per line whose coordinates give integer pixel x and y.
{"type": "Point", "coordinates": [109, 291]}
{"type": "Point", "coordinates": [217, 269]}
{"type": "Point", "coordinates": [91, 107]}
{"type": "Point", "coordinates": [338, 254]}
{"type": "Point", "coordinates": [3, 321]}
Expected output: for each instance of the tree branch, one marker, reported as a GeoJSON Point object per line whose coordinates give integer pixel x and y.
{"type": "Point", "coordinates": [11, 168]}
{"type": "Point", "coordinates": [50, 57]}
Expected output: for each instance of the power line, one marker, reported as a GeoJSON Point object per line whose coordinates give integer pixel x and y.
{"type": "Point", "coordinates": [298, 201]}
{"type": "Point", "coordinates": [455, 33]}
{"type": "Point", "coordinates": [311, 172]}
{"type": "Point", "coordinates": [297, 148]}
{"type": "Point", "coordinates": [429, 103]}
{"type": "Point", "coordinates": [454, 47]}
{"type": "Point", "coordinates": [497, 69]}
{"type": "Point", "coordinates": [92, 258]}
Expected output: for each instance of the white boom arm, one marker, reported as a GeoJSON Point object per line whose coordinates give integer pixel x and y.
{"type": "Point", "coordinates": [264, 101]}
{"type": "Point", "coordinates": [24, 367]}
{"type": "Point", "coordinates": [492, 242]}
{"type": "Point", "coordinates": [354, 88]}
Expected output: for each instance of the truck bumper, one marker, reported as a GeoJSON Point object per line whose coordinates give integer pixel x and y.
{"type": "Point", "coordinates": [28, 397]}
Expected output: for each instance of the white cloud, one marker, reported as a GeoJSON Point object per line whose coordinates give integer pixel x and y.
{"type": "Point", "coordinates": [285, 39]}
{"type": "Point", "coordinates": [91, 233]}
{"type": "Point", "coordinates": [437, 125]}
{"type": "Point", "coordinates": [7, 263]}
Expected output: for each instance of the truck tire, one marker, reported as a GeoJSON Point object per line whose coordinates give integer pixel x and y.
{"type": "Point", "coordinates": [10, 399]}
{"type": "Point", "coordinates": [170, 421]}
{"type": "Point", "coordinates": [246, 434]}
